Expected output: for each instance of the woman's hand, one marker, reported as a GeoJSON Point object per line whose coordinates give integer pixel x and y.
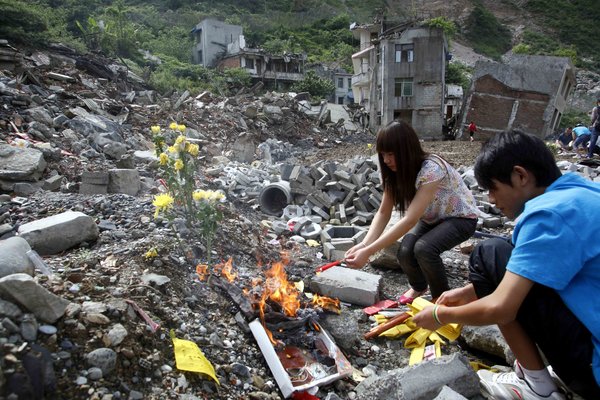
{"type": "Point", "coordinates": [357, 257]}
{"type": "Point", "coordinates": [354, 249]}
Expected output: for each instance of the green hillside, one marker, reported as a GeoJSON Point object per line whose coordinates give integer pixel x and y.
{"type": "Point", "coordinates": [318, 28]}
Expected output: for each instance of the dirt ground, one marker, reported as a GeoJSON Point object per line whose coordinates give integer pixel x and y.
{"type": "Point", "coordinates": [456, 152]}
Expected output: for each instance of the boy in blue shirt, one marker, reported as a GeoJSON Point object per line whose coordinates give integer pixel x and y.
{"type": "Point", "coordinates": [543, 289]}
{"type": "Point", "coordinates": [581, 137]}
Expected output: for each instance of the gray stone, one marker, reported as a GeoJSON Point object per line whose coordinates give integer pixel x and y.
{"type": "Point", "coordinates": [5, 228]}
{"type": "Point", "coordinates": [114, 150]}
{"type": "Point", "coordinates": [59, 232]}
{"type": "Point", "coordinates": [53, 183]}
{"type": "Point", "coordinates": [116, 335]}
{"type": "Point", "coordinates": [423, 381]}
{"type": "Point", "coordinates": [8, 309]}
{"type": "Point", "coordinates": [40, 114]}
{"type": "Point", "coordinates": [488, 339]}
{"type": "Point", "coordinates": [243, 149]}
{"type": "Point", "coordinates": [343, 328]}
{"type": "Point", "coordinates": [95, 374]}
{"type": "Point", "coordinates": [158, 280]}
{"type": "Point", "coordinates": [26, 189]}
{"type": "Point", "coordinates": [21, 288]}
{"type": "Point", "coordinates": [29, 328]}
{"type": "Point", "coordinates": [17, 164]}
{"type": "Point", "coordinates": [14, 258]}
{"type": "Point", "coordinates": [103, 358]}
{"type": "Point", "coordinates": [449, 394]}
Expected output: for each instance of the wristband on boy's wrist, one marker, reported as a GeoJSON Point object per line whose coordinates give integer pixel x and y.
{"type": "Point", "coordinates": [435, 315]}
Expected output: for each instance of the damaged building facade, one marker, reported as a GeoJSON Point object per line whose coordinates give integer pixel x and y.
{"type": "Point", "coordinates": [222, 46]}
{"type": "Point", "coordinates": [526, 92]}
{"type": "Point", "coordinates": [399, 73]}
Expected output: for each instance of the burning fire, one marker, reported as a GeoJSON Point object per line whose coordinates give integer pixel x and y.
{"type": "Point", "coordinates": [224, 269]}
{"type": "Point", "coordinates": [202, 271]}
{"type": "Point", "coordinates": [277, 291]}
{"type": "Point", "coordinates": [281, 291]}
{"type": "Point", "coordinates": [326, 303]}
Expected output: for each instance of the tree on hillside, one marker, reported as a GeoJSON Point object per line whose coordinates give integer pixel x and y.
{"type": "Point", "coordinates": [315, 85]}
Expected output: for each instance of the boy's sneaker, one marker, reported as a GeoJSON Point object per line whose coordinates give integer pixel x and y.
{"type": "Point", "coordinates": [559, 382]}
{"type": "Point", "coordinates": [508, 386]}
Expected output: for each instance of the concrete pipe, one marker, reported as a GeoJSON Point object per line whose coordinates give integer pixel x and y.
{"type": "Point", "coordinates": [275, 197]}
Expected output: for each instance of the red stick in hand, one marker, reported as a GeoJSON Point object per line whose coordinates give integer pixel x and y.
{"type": "Point", "coordinates": [327, 266]}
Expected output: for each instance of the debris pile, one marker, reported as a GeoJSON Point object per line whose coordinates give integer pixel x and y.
{"type": "Point", "coordinates": [92, 285]}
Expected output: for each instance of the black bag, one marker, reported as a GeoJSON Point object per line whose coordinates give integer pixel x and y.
{"type": "Point", "coordinates": [597, 123]}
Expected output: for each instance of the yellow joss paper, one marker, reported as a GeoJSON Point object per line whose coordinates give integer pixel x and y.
{"type": "Point", "coordinates": [397, 331]}
{"type": "Point", "coordinates": [449, 331]}
{"type": "Point", "coordinates": [189, 357]}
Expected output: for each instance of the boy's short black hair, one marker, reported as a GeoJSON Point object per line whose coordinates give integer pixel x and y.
{"type": "Point", "coordinates": [500, 154]}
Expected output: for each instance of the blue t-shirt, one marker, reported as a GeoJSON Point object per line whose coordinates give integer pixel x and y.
{"type": "Point", "coordinates": [557, 245]}
{"type": "Point", "coordinates": [581, 130]}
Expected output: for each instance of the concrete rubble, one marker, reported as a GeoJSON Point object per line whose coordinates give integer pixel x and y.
{"type": "Point", "coordinates": [77, 170]}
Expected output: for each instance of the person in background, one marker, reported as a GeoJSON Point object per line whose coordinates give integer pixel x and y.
{"type": "Point", "coordinates": [472, 130]}
{"type": "Point", "coordinates": [543, 289]}
{"type": "Point", "coordinates": [594, 129]}
{"type": "Point", "coordinates": [439, 211]}
{"type": "Point", "coordinates": [564, 139]}
{"type": "Point", "coordinates": [581, 137]}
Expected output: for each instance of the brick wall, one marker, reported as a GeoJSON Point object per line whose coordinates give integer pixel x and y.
{"type": "Point", "coordinates": [492, 105]}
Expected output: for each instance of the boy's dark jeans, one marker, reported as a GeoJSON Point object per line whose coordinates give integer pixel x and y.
{"type": "Point", "coordinates": [420, 249]}
{"type": "Point", "coordinates": [564, 340]}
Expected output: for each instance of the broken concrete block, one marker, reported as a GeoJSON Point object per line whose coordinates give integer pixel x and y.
{"type": "Point", "coordinates": [95, 177]}
{"type": "Point", "coordinates": [59, 232]}
{"type": "Point", "coordinates": [348, 285]}
{"type": "Point", "coordinates": [125, 181]}
{"type": "Point", "coordinates": [89, 189]}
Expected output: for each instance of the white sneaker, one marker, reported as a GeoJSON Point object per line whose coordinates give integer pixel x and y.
{"type": "Point", "coordinates": [508, 386]}
{"type": "Point", "coordinates": [559, 382]}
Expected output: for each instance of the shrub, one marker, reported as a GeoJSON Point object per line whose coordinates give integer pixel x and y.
{"type": "Point", "coordinates": [314, 85]}
{"type": "Point", "coordinates": [487, 35]}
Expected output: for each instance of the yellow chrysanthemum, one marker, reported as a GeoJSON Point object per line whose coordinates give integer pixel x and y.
{"type": "Point", "coordinates": [155, 129]}
{"type": "Point", "coordinates": [172, 149]}
{"type": "Point", "coordinates": [180, 139]}
{"type": "Point", "coordinates": [162, 202]}
{"type": "Point", "coordinates": [178, 165]}
{"type": "Point", "coordinates": [173, 125]}
{"type": "Point", "coordinates": [193, 149]}
{"type": "Point", "coordinates": [163, 159]}
{"type": "Point", "coordinates": [181, 128]}
{"type": "Point", "coordinates": [199, 195]}
{"type": "Point", "coordinates": [216, 196]}
{"type": "Point", "coordinates": [151, 253]}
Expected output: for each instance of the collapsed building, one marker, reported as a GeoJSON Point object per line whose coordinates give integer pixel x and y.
{"type": "Point", "coordinates": [399, 73]}
{"type": "Point", "coordinates": [220, 45]}
{"type": "Point", "coordinates": [525, 92]}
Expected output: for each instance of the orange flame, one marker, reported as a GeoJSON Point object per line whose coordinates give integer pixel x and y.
{"type": "Point", "coordinates": [326, 303]}
{"type": "Point", "coordinates": [281, 291]}
{"type": "Point", "coordinates": [202, 271]}
{"type": "Point", "coordinates": [277, 289]}
{"type": "Point", "coordinates": [226, 270]}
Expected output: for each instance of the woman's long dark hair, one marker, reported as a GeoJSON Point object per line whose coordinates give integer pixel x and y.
{"type": "Point", "coordinates": [400, 138]}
